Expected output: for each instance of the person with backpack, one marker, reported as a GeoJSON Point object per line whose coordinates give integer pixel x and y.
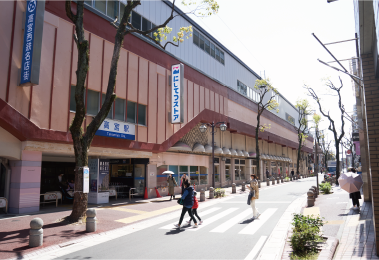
{"type": "Point", "coordinates": [187, 202]}
{"type": "Point", "coordinates": [253, 195]}
{"type": "Point", "coordinates": [194, 209]}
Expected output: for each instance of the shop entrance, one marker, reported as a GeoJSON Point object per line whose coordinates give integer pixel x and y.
{"type": "Point", "coordinates": [228, 174]}
{"type": "Point", "coordinates": [217, 171]}
{"type": "Point", "coordinates": [239, 169]}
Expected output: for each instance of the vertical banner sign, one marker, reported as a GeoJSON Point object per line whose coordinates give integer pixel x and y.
{"type": "Point", "coordinates": [85, 179]}
{"type": "Point", "coordinates": [31, 48]}
{"type": "Point", "coordinates": [177, 78]}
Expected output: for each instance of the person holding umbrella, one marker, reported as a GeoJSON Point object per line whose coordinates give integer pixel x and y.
{"type": "Point", "coordinates": [355, 196]}
{"type": "Point", "coordinates": [171, 185]}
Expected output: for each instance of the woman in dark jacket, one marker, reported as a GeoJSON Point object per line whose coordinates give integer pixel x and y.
{"type": "Point", "coordinates": [187, 203]}
{"type": "Point", "coordinates": [355, 196]}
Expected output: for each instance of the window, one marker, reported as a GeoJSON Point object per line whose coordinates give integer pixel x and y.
{"type": "Point", "coordinates": [131, 112]}
{"type": "Point", "coordinates": [72, 99]}
{"type": "Point", "coordinates": [101, 6]}
{"type": "Point", "coordinates": [146, 24]}
{"type": "Point", "coordinates": [203, 175]}
{"type": "Point", "coordinates": [141, 114]}
{"type": "Point", "coordinates": [110, 114]}
{"type": "Point", "coordinates": [119, 112]}
{"type": "Point", "coordinates": [217, 54]}
{"type": "Point", "coordinates": [207, 46]}
{"type": "Point", "coordinates": [122, 9]}
{"type": "Point", "coordinates": [92, 102]}
{"type": "Point", "coordinates": [194, 175]}
{"type": "Point", "coordinates": [213, 50]}
{"type": "Point", "coordinates": [112, 8]}
{"type": "Point", "coordinates": [222, 57]}
{"type": "Point", "coordinates": [136, 20]}
{"type": "Point", "coordinates": [201, 42]}
{"type": "Point", "coordinates": [242, 88]}
{"type": "Point", "coordinates": [196, 39]}
{"type": "Point", "coordinates": [88, 2]}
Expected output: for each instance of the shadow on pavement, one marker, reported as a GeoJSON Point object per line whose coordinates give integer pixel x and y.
{"type": "Point", "coordinates": [247, 221]}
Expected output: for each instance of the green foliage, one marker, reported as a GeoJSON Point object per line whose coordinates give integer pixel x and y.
{"type": "Point", "coordinates": [218, 192]}
{"type": "Point", "coordinates": [326, 187]}
{"type": "Point", "coordinates": [306, 234]}
{"type": "Point", "coordinates": [287, 179]}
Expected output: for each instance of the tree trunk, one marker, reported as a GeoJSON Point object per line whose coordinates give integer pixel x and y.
{"type": "Point", "coordinates": [338, 162]}
{"type": "Point", "coordinates": [257, 144]}
{"type": "Point", "coordinates": [298, 156]}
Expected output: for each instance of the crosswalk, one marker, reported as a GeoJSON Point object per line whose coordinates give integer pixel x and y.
{"type": "Point", "coordinates": [221, 221]}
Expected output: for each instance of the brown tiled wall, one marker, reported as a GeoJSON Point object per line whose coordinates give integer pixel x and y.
{"type": "Point", "coordinates": [371, 85]}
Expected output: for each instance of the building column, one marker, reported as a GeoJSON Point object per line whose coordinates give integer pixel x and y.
{"type": "Point", "coordinates": [151, 180]}
{"type": "Point", "coordinates": [222, 173]}
{"type": "Point", "coordinates": [263, 170]}
{"type": "Point", "coordinates": [233, 170]}
{"type": "Point", "coordinates": [25, 186]}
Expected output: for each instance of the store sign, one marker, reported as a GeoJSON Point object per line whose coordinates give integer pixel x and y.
{"type": "Point", "coordinates": [31, 48]}
{"type": "Point", "coordinates": [117, 129]}
{"type": "Point", "coordinates": [3, 202]}
{"type": "Point", "coordinates": [177, 108]}
{"type": "Point", "coordinates": [290, 119]}
{"type": "Point", "coordinates": [85, 179]}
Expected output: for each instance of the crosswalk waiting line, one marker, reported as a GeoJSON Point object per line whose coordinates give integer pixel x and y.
{"type": "Point", "coordinates": [256, 224]}
{"type": "Point", "coordinates": [201, 214]}
{"type": "Point", "coordinates": [214, 218]}
{"type": "Point", "coordinates": [228, 224]}
{"type": "Point", "coordinates": [258, 246]}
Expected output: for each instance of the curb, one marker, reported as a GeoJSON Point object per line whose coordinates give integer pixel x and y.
{"type": "Point", "coordinates": [329, 248]}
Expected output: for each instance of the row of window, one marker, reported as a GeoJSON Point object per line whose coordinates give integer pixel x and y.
{"type": "Point", "coordinates": [119, 107]}
{"type": "Point", "coordinates": [247, 91]}
{"type": "Point", "coordinates": [208, 47]}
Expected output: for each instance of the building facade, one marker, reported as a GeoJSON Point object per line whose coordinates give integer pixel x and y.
{"type": "Point", "coordinates": [35, 142]}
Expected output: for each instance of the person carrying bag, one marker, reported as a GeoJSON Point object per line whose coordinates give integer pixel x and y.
{"type": "Point", "coordinates": [253, 195]}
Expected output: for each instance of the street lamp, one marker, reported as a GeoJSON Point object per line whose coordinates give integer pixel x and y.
{"type": "Point", "coordinates": [203, 129]}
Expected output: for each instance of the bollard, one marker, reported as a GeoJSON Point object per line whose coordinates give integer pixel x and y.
{"type": "Point", "coordinates": [243, 186]}
{"type": "Point", "coordinates": [316, 190]}
{"type": "Point", "coordinates": [91, 220]}
{"type": "Point", "coordinates": [233, 188]}
{"type": "Point", "coordinates": [267, 182]}
{"type": "Point", "coordinates": [211, 193]}
{"type": "Point", "coordinates": [273, 180]}
{"type": "Point", "coordinates": [202, 195]}
{"type": "Point", "coordinates": [311, 200]}
{"type": "Point", "coordinates": [36, 232]}
{"type": "Point", "coordinates": [282, 179]}
{"type": "Point", "coordinates": [277, 180]}
{"type": "Point", "coordinates": [259, 183]}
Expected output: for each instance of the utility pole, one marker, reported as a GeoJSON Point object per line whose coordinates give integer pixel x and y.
{"type": "Point", "coordinates": [316, 159]}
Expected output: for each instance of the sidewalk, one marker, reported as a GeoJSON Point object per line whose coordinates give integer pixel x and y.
{"type": "Point", "coordinates": [14, 229]}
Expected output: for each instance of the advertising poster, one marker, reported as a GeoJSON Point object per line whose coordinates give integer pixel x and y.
{"type": "Point", "coordinates": [85, 179]}
{"type": "Point", "coordinates": [103, 183]}
{"type": "Point", "coordinates": [93, 165]}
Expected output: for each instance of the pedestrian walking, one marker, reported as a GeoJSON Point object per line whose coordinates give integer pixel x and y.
{"type": "Point", "coordinates": [267, 174]}
{"type": "Point", "coordinates": [355, 196]}
{"type": "Point", "coordinates": [188, 201]}
{"type": "Point", "coordinates": [292, 173]}
{"type": "Point", "coordinates": [254, 195]}
{"type": "Point", "coordinates": [171, 185]}
{"type": "Point", "coordinates": [182, 180]}
{"type": "Point", "coordinates": [194, 209]}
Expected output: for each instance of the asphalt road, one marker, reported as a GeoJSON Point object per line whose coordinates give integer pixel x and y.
{"type": "Point", "coordinates": [227, 232]}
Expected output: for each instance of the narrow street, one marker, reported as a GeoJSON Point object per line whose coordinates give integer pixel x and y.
{"type": "Point", "coordinates": [227, 232]}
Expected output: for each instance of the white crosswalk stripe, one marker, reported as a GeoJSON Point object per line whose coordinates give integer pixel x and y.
{"type": "Point", "coordinates": [231, 222]}
{"type": "Point", "coordinates": [256, 224]}
{"type": "Point", "coordinates": [201, 214]}
{"type": "Point", "coordinates": [214, 218]}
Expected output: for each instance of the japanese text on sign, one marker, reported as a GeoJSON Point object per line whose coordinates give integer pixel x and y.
{"type": "Point", "coordinates": [176, 95]}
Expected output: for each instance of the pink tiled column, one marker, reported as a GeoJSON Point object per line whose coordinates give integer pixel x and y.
{"type": "Point", "coordinates": [25, 183]}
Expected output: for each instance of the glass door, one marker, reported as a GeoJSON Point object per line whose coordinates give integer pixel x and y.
{"type": "Point", "coordinates": [139, 178]}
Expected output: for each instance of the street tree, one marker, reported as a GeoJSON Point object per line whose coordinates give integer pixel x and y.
{"type": "Point", "coordinates": [302, 129]}
{"type": "Point", "coordinates": [265, 102]}
{"type": "Point", "coordinates": [337, 133]}
{"type": "Point", "coordinates": [82, 139]}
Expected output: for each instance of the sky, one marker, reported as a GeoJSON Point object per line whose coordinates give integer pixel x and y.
{"type": "Point", "coordinates": [274, 38]}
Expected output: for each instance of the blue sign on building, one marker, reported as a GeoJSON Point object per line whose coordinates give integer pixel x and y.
{"type": "Point", "coordinates": [117, 129]}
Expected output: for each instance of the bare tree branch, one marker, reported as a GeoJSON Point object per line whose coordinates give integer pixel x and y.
{"type": "Point", "coordinates": [69, 12]}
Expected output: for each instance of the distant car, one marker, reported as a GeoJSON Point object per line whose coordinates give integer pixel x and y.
{"type": "Point", "coordinates": [331, 174]}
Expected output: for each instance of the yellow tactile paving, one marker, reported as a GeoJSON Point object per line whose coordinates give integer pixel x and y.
{"type": "Point", "coordinates": [334, 222]}
{"type": "Point", "coordinates": [354, 221]}
{"type": "Point", "coordinates": [130, 210]}
{"type": "Point", "coordinates": [148, 214]}
{"type": "Point", "coordinates": [315, 211]}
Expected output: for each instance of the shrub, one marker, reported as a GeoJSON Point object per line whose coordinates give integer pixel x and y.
{"type": "Point", "coordinates": [306, 234]}
{"type": "Point", "coordinates": [218, 192]}
{"type": "Point", "coordinates": [325, 187]}
{"type": "Point", "coordinates": [287, 179]}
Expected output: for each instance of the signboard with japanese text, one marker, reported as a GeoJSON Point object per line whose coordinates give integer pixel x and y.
{"type": "Point", "coordinates": [32, 45]}
{"type": "Point", "coordinates": [85, 179]}
{"type": "Point", "coordinates": [177, 108]}
{"type": "Point", "coordinates": [103, 185]}
{"type": "Point", "coordinates": [117, 129]}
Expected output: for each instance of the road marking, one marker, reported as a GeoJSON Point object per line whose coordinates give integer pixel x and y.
{"type": "Point", "coordinates": [256, 248]}
{"type": "Point", "coordinates": [148, 215]}
{"type": "Point", "coordinates": [311, 211]}
{"type": "Point", "coordinates": [256, 224]}
{"type": "Point", "coordinates": [341, 202]}
{"type": "Point", "coordinates": [334, 222]}
{"type": "Point", "coordinates": [256, 201]}
{"type": "Point", "coordinates": [214, 218]}
{"type": "Point", "coordinates": [130, 210]}
{"type": "Point", "coordinates": [333, 198]}
{"type": "Point", "coordinates": [203, 213]}
{"type": "Point", "coordinates": [228, 224]}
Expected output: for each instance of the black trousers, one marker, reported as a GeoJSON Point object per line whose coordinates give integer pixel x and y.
{"type": "Point", "coordinates": [184, 211]}
{"type": "Point", "coordinates": [194, 213]}
{"type": "Point", "coordinates": [355, 202]}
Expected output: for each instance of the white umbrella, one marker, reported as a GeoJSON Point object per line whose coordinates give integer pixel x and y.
{"type": "Point", "coordinates": [350, 182]}
{"type": "Point", "coordinates": [168, 172]}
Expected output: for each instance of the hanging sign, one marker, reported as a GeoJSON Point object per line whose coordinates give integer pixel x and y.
{"type": "Point", "coordinates": [177, 108]}
{"type": "Point", "coordinates": [31, 48]}
{"type": "Point", "coordinates": [117, 129]}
